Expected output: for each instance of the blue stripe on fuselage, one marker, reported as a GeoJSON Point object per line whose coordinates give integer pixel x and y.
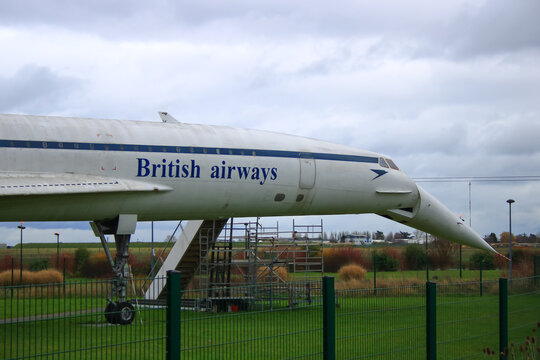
{"type": "Point", "coordinates": [32, 144]}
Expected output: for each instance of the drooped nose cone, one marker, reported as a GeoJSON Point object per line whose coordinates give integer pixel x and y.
{"type": "Point", "coordinates": [435, 218]}
{"type": "Point", "coordinates": [431, 216]}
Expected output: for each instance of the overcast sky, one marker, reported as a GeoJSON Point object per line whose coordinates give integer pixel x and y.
{"type": "Point", "coordinates": [444, 88]}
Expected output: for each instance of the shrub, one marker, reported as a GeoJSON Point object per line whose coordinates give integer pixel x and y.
{"type": "Point", "coordinates": [396, 255]}
{"type": "Point", "coordinates": [336, 257]}
{"type": "Point", "coordinates": [81, 257]}
{"type": "Point", "coordinates": [415, 257]}
{"type": "Point", "coordinates": [481, 260]}
{"type": "Point", "coordinates": [97, 266]}
{"type": "Point", "coordinates": [5, 263]}
{"type": "Point", "coordinates": [140, 265]}
{"type": "Point", "coordinates": [441, 254]}
{"type": "Point", "coordinates": [384, 261]}
{"type": "Point", "coordinates": [68, 258]}
{"type": "Point", "coordinates": [500, 262]}
{"type": "Point", "coordinates": [519, 256]}
{"type": "Point", "coordinates": [39, 264]}
{"type": "Point", "coordinates": [352, 272]}
{"type": "Point", "coordinates": [29, 277]}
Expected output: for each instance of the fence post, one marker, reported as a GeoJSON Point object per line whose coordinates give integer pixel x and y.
{"type": "Point", "coordinates": [481, 266]}
{"type": "Point", "coordinates": [503, 318]}
{"type": "Point", "coordinates": [173, 315]}
{"type": "Point", "coordinates": [64, 276]}
{"type": "Point", "coordinates": [374, 274]}
{"type": "Point", "coordinates": [12, 278]}
{"type": "Point", "coordinates": [431, 321]}
{"type": "Point", "coordinates": [329, 319]}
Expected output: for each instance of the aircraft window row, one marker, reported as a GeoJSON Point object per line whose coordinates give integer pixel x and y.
{"type": "Point", "coordinates": [387, 163]}
{"type": "Point", "coordinates": [129, 147]}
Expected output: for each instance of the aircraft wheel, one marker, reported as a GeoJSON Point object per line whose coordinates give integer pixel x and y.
{"type": "Point", "coordinates": [125, 313]}
{"type": "Point", "coordinates": [111, 313]}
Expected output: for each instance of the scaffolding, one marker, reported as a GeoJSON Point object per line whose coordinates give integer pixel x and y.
{"type": "Point", "coordinates": [216, 257]}
{"type": "Point", "coordinates": [249, 254]}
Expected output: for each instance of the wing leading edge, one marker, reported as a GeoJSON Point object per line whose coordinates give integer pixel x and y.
{"type": "Point", "coordinates": [27, 184]}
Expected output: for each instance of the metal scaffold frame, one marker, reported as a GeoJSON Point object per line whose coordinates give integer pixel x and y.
{"type": "Point", "coordinates": [269, 254]}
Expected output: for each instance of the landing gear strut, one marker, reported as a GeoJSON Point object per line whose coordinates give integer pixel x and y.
{"type": "Point", "coordinates": [121, 311]}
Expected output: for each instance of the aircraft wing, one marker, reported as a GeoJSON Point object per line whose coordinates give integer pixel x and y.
{"type": "Point", "coordinates": [24, 184]}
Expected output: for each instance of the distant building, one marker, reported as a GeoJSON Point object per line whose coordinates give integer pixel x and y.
{"type": "Point", "coordinates": [357, 239]}
{"type": "Point", "coordinates": [3, 246]}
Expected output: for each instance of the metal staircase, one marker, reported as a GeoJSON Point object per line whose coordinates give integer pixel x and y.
{"type": "Point", "coordinates": [189, 254]}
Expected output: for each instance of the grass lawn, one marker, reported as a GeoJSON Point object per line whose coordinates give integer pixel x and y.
{"type": "Point", "coordinates": [389, 325]}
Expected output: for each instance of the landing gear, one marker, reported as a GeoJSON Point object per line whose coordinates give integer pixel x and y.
{"type": "Point", "coordinates": [118, 312]}
{"type": "Point", "coordinates": [121, 313]}
{"type": "Point", "coordinates": [111, 313]}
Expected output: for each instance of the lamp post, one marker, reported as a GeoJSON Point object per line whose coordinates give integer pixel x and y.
{"type": "Point", "coordinates": [20, 258]}
{"type": "Point", "coordinates": [57, 250]}
{"type": "Point", "coordinates": [510, 202]}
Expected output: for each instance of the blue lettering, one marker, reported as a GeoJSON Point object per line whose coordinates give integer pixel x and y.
{"type": "Point", "coordinates": [255, 173]}
{"type": "Point", "coordinates": [155, 167]}
{"type": "Point", "coordinates": [265, 172]}
{"type": "Point", "coordinates": [215, 172]}
{"type": "Point", "coordinates": [243, 172]}
{"type": "Point", "coordinates": [143, 166]}
{"type": "Point", "coordinates": [195, 170]}
{"type": "Point", "coordinates": [185, 170]}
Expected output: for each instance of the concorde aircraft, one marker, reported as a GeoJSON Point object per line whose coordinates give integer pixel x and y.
{"type": "Point", "coordinates": [115, 173]}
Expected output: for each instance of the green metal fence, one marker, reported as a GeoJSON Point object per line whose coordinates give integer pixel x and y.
{"type": "Point", "coordinates": [65, 321]}
{"type": "Point", "coordinates": [308, 320]}
{"type": "Point", "coordinates": [523, 315]}
{"type": "Point", "coordinates": [388, 325]}
{"type": "Point", "coordinates": [467, 319]}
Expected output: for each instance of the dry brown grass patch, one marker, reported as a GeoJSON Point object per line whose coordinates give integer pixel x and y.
{"type": "Point", "coordinates": [352, 272]}
{"type": "Point", "coordinates": [31, 277]}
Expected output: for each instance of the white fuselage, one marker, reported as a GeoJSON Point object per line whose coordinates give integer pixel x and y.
{"type": "Point", "coordinates": [54, 169]}
{"type": "Point", "coordinates": [211, 171]}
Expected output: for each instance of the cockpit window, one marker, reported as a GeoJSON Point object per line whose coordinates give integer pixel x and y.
{"type": "Point", "coordinates": [392, 165]}
{"type": "Point", "coordinates": [383, 163]}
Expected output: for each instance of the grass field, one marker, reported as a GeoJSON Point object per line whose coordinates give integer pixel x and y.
{"type": "Point", "coordinates": [389, 325]}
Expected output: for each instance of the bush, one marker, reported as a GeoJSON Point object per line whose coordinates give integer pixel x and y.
{"type": "Point", "coordinates": [39, 264]}
{"type": "Point", "coordinates": [140, 265]}
{"type": "Point", "coordinates": [384, 261]}
{"type": "Point", "coordinates": [415, 257]}
{"type": "Point", "coordinates": [352, 272]}
{"type": "Point", "coordinates": [5, 263]}
{"type": "Point", "coordinates": [97, 266]}
{"type": "Point", "coordinates": [481, 260]}
{"type": "Point", "coordinates": [68, 258]}
{"type": "Point", "coordinates": [441, 254]}
{"type": "Point", "coordinates": [519, 256]}
{"type": "Point", "coordinates": [81, 257]}
{"type": "Point", "coordinates": [336, 257]}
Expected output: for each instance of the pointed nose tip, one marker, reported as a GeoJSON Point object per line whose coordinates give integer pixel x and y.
{"type": "Point", "coordinates": [435, 218]}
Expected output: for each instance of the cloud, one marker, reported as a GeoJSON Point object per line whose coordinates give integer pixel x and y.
{"type": "Point", "coordinates": [35, 89]}
{"type": "Point", "coordinates": [495, 27]}
{"type": "Point", "coordinates": [444, 88]}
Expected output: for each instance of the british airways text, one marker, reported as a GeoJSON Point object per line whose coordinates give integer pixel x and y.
{"type": "Point", "coordinates": [190, 169]}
